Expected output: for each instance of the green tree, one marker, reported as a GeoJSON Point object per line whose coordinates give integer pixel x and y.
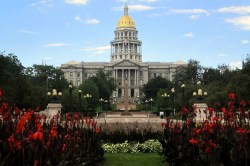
{"type": "Point", "coordinates": [105, 84]}
{"type": "Point", "coordinates": [89, 87]}
{"type": "Point", "coordinates": [48, 77]}
{"type": "Point", "coordinates": [154, 85]}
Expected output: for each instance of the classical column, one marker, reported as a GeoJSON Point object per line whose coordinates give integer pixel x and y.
{"type": "Point", "coordinates": [126, 96]}
{"type": "Point", "coordinates": [129, 77]}
{"type": "Point", "coordinates": [122, 77]}
{"type": "Point", "coordinates": [116, 71]}
{"type": "Point", "coordinates": [136, 77]}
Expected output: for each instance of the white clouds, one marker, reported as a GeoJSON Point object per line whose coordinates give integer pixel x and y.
{"type": "Point", "coordinates": [135, 1]}
{"type": "Point", "coordinates": [135, 8]}
{"type": "Point", "coordinates": [140, 7]}
{"type": "Point", "coordinates": [98, 50]}
{"type": "Point", "coordinates": [235, 9]}
{"type": "Point", "coordinates": [91, 21]}
{"type": "Point", "coordinates": [236, 65]}
{"type": "Point", "coordinates": [56, 45]}
{"type": "Point", "coordinates": [77, 2]}
{"type": "Point", "coordinates": [194, 16]}
{"type": "Point", "coordinates": [190, 11]}
{"type": "Point", "coordinates": [189, 35]}
{"type": "Point", "coordinates": [242, 22]}
{"type": "Point", "coordinates": [194, 13]}
{"type": "Point", "coordinates": [245, 42]}
{"type": "Point", "coordinates": [29, 32]}
{"type": "Point", "coordinates": [42, 5]}
{"type": "Point", "coordinates": [77, 18]}
{"type": "Point", "coordinates": [222, 55]}
{"type": "Point", "coordinates": [87, 21]}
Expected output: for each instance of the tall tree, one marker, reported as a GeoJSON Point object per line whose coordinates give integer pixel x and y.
{"type": "Point", "coordinates": [105, 83]}
{"type": "Point", "coordinates": [154, 85]}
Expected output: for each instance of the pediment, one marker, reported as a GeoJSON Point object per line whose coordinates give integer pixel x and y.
{"type": "Point", "coordinates": [126, 63]}
{"type": "Point", "coordinates": [71, 66]}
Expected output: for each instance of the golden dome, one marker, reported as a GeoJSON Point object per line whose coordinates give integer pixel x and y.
{"type": "Point", "coordinates": [126, 21]}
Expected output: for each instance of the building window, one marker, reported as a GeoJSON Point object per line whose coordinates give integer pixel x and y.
{"type": "Point", "coordinates": [141, 73]}
{"type": "Point", "coordinates": [71, 74]}
{"type": "Point", "coordinates": [154, 75]}
{"type": "Point", "coordinates": [86, 75]}
{"type": "Point", "coordinates": [160, 74]}
{"type": "Point", "coordinates": [132, 82]}
{"type": "Point", "coordinates": [78, 82]}
{"type": "Point", "coordinates": [141, 82]}
{"type": "Point", "coordinates": [78, 74]}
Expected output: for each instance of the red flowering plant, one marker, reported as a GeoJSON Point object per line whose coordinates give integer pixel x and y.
{"type": "Point", "coordinates": [27, 138]}
{"type": "Point", "coordinates": [222, 139]}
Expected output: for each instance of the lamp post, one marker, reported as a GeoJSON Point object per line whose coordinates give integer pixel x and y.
{"type": "Point", "coordinates": [101, 100]}
{"type": "Point", "coordinates": [54, 96]}
{"type": "Point", "coordinates": [151, 101]}
{"type": "Point", "coordinates": [146, 104]}
{"type": "Point", "coordinates": [80, 99]}
{"type": "Point", "coordinates": [70, 96]}
{"type": "Point", "coordinates": [87, 97]}
{"type": "Point", "coordinates": [106, 103]}
{"type": "Point", "coordinates": [200, 95]}
{"type": "Point", "coordinates": [183, 90]}
{"type": "Point", "coordinates": [165, 95]}
{"type": "Point", "coordinates": [173, 92]}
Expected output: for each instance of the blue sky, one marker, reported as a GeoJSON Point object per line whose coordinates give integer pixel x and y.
{"type": "Point", "coordinates": [213, 32]}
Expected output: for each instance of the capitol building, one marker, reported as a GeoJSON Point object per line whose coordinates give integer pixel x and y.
{"type": "Point", "coordinates": [125, 63]}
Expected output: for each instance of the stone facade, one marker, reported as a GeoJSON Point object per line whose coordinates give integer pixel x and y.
{"type": "Point", "coordinates": [125, 62]}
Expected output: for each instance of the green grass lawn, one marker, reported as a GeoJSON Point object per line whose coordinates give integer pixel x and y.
{"type": "Point", "coordinates": [138, 159]}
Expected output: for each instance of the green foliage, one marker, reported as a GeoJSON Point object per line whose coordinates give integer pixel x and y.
{"type": "Point", "coordinates": [154, 85]}
{"type": "Point", "coordinates": [105, 84]}
{"type": "Point", "coordinates": [149, 146]}
{"type": "Point", "coordinates": [89, 87]}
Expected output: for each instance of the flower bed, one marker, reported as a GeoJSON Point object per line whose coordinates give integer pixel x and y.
{"type": "Point", "coordinates": [134, 131]}
{"type": "Point", "coordinates": [27, 138]}
{"type": "Point", "coordinates": [223, 140]}
{"type": "Point", "coordinates": [149, 146]}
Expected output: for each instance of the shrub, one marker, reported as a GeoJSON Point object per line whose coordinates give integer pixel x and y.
{"type": "Point", "coordinates": [149, 146]}
{"type": "Point", "coordinates": [27, 138]}
{"type": "Point", "coordinates": [219, 140]}
{"type": "Point", "coordinates": [134, 131]}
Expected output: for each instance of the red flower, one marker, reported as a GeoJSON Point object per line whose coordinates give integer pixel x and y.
{"type": "Point", "coordinates": [64, 148]}
{"type": "Point", "coordinates": [193, 141]}
{"type": "Point", "coordinates": [20, 125]}
{"type": "Point", "coordinates": [163, 124]}
{"type": "Point", "coordinates": [241, 131]}
{"type": "Point", "coordinates": [38, 108]}
{"type": "Point", "coordinates": [223, 109]}
{"type": "Point", "coordinates": [242, 103]}
{"type": "Point", "coordinates": [38, 135]}
{"type": "Point", "coordinates": [53, 132]}
{"type": "Point", "coordinates": [36, 163]}
{"type": "Point", "coordinates": [198, 131]}
{"type": "Point", "coordinates": [18, 145]}
{"type": "Point", "coordinates": [208, 150]}
{"type": "Point", "coordinates": [11, 141]}
{"type": "Point", "coordinates": [1, 93]}
{"type": "Point", "coordinates": [97, 130]}
{"type": "Point", "coordinates": [231, 96]}
{"type": "Point", "coordinates": [210, 111]}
